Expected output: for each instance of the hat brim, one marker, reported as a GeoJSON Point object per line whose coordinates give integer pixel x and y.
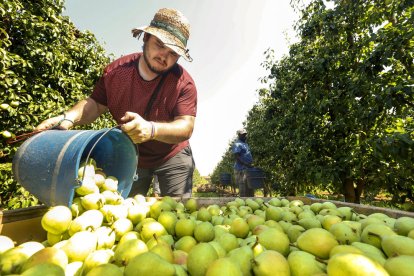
{"type": "Point", "coordinates": [170, 40]}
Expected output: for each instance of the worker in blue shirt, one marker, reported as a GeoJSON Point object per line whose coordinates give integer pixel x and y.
{"type": "Point", "coordinates": [243, 161]}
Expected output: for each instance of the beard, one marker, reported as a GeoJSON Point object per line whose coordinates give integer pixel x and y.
{"type": "Point", "coordinates": [152, 68]}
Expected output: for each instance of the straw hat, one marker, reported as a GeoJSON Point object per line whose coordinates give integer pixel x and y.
{"type": "Point", "coordinates": [172, 28]}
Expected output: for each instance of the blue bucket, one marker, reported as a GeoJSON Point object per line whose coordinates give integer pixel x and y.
{"type": "Point", "coordinates": [47, 164]}
{"type": "Point", "coordinates": [255, 178]}
{"type": "Point", "coordinates": [225, 178]}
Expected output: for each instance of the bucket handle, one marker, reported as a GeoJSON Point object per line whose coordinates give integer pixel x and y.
{"type": "Point", "coordinates": [135, 178]}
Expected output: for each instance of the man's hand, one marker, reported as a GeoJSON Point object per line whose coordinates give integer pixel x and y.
{"type": "Point", "coordinates": [138, 129]}
{"type": "Point", "coordinates": [54, 122]}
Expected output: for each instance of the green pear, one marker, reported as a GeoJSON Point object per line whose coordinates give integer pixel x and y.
{"type": "Point", "coordinates": [99, 177]}
{"type": "Point", "coordinates": [184, 227]}
{"type": "Point", "coordinates": [52, 239]}
{"type": "Point", "coordinates": [112, 198]}
{"type": "Point", "coordinates": [164, 238]}
{"type": "Point", "coordinates": [403, 225]}
{"type": "Point", "coordinates": [149, 263]}
{"type": "Point", "coordinates": [44, 269]}
{"type": "Point", "coordinates": [224, 266]}
{"type": "Point", "coordinates": [400, 266]}
{"type": "Point", "coordinates": [76, 207]}
{"type": "Point", "coordinates": [285, 225]}
{"type": "Point", "coordinates": [110, 184]}
{"type": "Point", "coordinates": [203, 214]}
{"type": "Point", "coordinates": [270, 262]}
{"type": "Point", "coordinates": [86, 170]}
{"type": "Point", "coordinates": [199, 258]}
{"type": "Point", "coordinates": [217, 220]}
{"type": "Point", "coordinates": [12, 260]}
{"type": "Point", "coordinates": [289, 216]}
{"type": "Point", "coordinates": [105, 237]}
{"type": "Point", "coordinates": [228, 241]}
{"type": "Point", "coordinates": [302, 263]}
{"type": "Point", "coordinates": [328, 205]}
{"type": "Point", "coordinates": [306, 214]}
{"type": "Point", "coordinates": [310, 222]}
{"type": "Point", "coordinates": [243, 256]}
{"type": "Point", "coordinates": [317, 241]}
{"type": "Point", "coordinates": [346, 212]}
{"type": "Point", "coordinates": [221, 252]}
{"type": "Point", "coordinates": [150, 228]}
{"type": "Point", "coordinates": [273, 239]}
{"type": "Point", "coordinates": [105, 269]}
{"type": "Point", "coordinates": [330, 220]}
{"type": "Point", "coordinates": [46, 255]}
{"type": "Point", "coordinates": [395, 245]}
{"type": "Point", "coordinates": [74, 269]}
{"type": "Point", "coordinates": [164, 250]}
{"type": "Point", "coordinates": [204, 232]}
{"type": "Point", "coordinates": [93, 201]}
{"type": "Point", "coordinates": [285, 202]}
{"type": "Point", "coordinates": [316, 207]}
{"type": "Point", "coordinates": [371, 251]}
{"type": "Point", "coordinates": [373, 233]}
{"type": "Point", "coordinates": [411, 234]}
{"type": "Point", "coordinates": [88, 220]}
{"type": "Point", "coordinates": [370, 220]}
{"type": "Point", "coordinates": [96, 258]}
{"type": "Point", "coordinates": [344, 234]}
{"type": "Point", "coordinates": [129, 249]}
{"type": "Point", "coordinates": [121, 226]}
{"type": "Point", "coordinates": [274, 201]}
{"type": "Point", "coordinates": [168, 219]}
{"type": "Point", "coordinates": [180, 270]}
{"type": "Point", "coordinates": [157, 208]}
{"type": "Point", "coordinates": [355, 225]}
{"type": "Point", "coordinates": [329, 211]}
{"type": "Point", "coordinates": [114, 212]}
{"type": "Point", "coordinates": [185, 243]}
{"type": "Point", "coordinates": [355, 265]}
{"type": "Point", "coordinates": [88, 186]}
{"type": "Point", "coordinates": [344, 248]}
{"type": "Point", "coordinates": [274, 224]}
{"type": "Point", "coordinates": [57, 219]}
{"type": "Point", "coordinates": [214, 210]}
{"type": "Point", "coordinates": [6, 243]}
{"type": "Point", "coordinates": [191, 205]}
{"type": "Point", "coordinates": [180, 257]}
{"type": "Point", "coordinates": [252, 204]}
{"type": "Point", "coordinates": [239, 227]}
{"type": "Point", "coordinates": [296, 210]}
{"type": "Point", "coordinates": [80, 245]}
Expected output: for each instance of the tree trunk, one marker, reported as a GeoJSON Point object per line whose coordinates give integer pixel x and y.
{"type": "Point", "coordinates": [349, 190]}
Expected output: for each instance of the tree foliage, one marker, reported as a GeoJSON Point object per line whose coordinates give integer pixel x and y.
{"type": "Point", "coordinates": [46, 66]}
{"type": "Point", "coordinates": [338, 112]}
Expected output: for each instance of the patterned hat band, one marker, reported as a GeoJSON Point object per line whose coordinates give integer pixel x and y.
{"type": "Point", "coordinates": [171, 29]}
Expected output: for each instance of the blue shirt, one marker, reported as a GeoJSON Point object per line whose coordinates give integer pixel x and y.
{"type": "Point", "coordinates": [242, 150]}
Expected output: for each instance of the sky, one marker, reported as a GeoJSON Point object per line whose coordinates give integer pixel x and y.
{"type": "Point", "coordinates": [228, 39]}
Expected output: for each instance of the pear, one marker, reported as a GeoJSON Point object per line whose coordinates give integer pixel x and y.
{"type": "Point", "coordinates": [89, 220]}
{"type": "Point", "coordinates": [302, 263]}
{"type": "Point", "coordinates": [191, 205]}
{"type": "Point", "coordinates": [136, 213]}
{"type": "Point", "coordinates": [184, 227]}
{"type": "Point", "coordinates": [204, 232]}
{"type": "Point", "coordinates": [88, 186]}
{"type": "Point", "coordinates": [370, 220]}
{"type": "Point", "coordinates": [149, 263]}
{"type": "Point", "coordinates": [316, 207]}
{"type": "Point", "coordinates": [95, 258]}
{"type": "Point", "coordinates": [46, 255]}
{"type": "Point", "coordinates": [93, 201]}
{"type": "Point", "coordinates": [12, 260]}
{"type": "Point", "coordinates": [344, 234]}
{"type": "Point", "coordinates": [330, 220]}
{"type": "Point", "coordinates": [112, 198]}
{"type": "Point", "coordinates": [371, 251]}
{"type": "Point", "coordinates": [289, 216]}
{"type": "Point", "coordinates": [114, 212]}
{"type": "Point", "coordinates": [285, 225]}
{"type": "Point", "coordinates": [228, 241]}
{"type": "Point", "coordinates": [150, 228]}
{"type": "Point", "coordinates": [243, 256]}
{"type": "Point", "coordinates": [157, 208]}
{"type": "Point", "coordinates": [317, 241]}
{"type": "Point", "coordinates": [203, 214]}
{"type": "Point", "coordinates": [400, 266]}
{"type": "Point", "coordinates": [180, 270]}
{"type": "Point", "coordinates": [44, 269]}
{"type": "Point", "coordinates": [171, 201]}
{"type": "Point", "coordinates": [57, 219]}
{"type": "Point", "coordinates": [224, 266]}
{"type": "Point", "coordinates": [200, 257]}
{"type": "Point", "coordinates": [294, 232]}
{"type": "Point", "coordinates": [239, 227]}
{"type": "Point", "coordinates": [395, 245]}
{"type": "Point", "coordinates": [168, 219]}
{"type": "Point", "coordinates": [373, 233]}
{"type": "Point", "coordinates": [214, 210]}
{"type": "Point", "coordinates": [164, 250]}
{"type": "Point", "coordinates": [411, 234]}
{"type": "Point", "coordinates": [52, 239]}
{"type": "Point", "coordinates": [221, 252]}
{"type": "Point", "coordinates": [403, 225]}
{"type": "Point", "coordinates": [355, 265]}
{"type": "Point", "coordinates": [273, 239]}
{"type": "Point", "coordinates": [310, 222]}
{"type": "Point", "coordinates": [127, 250]}
{"type": "Point", "coordinates": [6, 243]}
{"type": "Point", "coordinates": [344, 248]}
{"type": "Point", "coordinates": [185, 243]}
{"type": "Point", "coordinates": [80, 245]}
{"type": "Point", "coordinates": [180, 257]}
{"type": "Point", "coordinates": [105, 269]}
{"type": "Point", "coordinates": [76, 207]}
{"type": "Point", "coordinates": [105, 237]}
{"type": "Point", "coordinates": [99, 177]}
{"type": "Point", "coordinates": [110, 184]}
{"type": "Point", "coordinates": [252, 204]}
{"type": "Point", "coordinates": [74, 269]}
{"type": "Point", "coordinates": [274, 224]}
{"type": "Point", "coordinates": [274, 201]}
{"type": "Point", "coordinates": [346, 212]}
{"type": "Point", "coordinates": [254, 220]}
{"type": "Point", "coordinates": [270, 262]}
{"type": "Point", "coordinates": [306, 214]}
{"type": "Point", "coordinates": [284, 201]}
{"type": "Point", "coordinates": [121, 226]}
{"type": "Point", "coordinates": [328, 205]}
{"type": "Point", "coordinates": [164, 238]}
{"type": "Point", "coordinates": [86, 170]}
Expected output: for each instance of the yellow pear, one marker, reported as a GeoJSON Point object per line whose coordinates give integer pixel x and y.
{"type": "Point", "coordinates": [200, 257]}
{"type": "Point", "coordinates": [354, 265]}
{"type": "Point", "coordinates": [149, 263]}
{"type": "Point", "coordinates": [270, 262]}
{"type": "Point", "coordinates": [224, 266]}
{"type": "Point", "coordinates": [317, 241]}
{"type": "Point", "coordinates": [47, 255]}
{"type": "Point", "coordinates": [400, 266]}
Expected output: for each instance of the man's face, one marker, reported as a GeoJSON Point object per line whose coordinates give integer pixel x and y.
{"type": "Point", "coordinates": [158, 57]}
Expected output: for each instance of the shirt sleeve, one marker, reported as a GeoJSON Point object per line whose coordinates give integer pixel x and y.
{"type": "Point", "coordinates": [187, 101]}
{"type": "Point", "coordinates": [99, 92]}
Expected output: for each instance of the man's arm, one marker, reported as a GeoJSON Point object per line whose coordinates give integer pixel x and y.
{"type": "Point", "coordinates": [84, 112]}
{"type": "Point", "coordinates": [140, 130]}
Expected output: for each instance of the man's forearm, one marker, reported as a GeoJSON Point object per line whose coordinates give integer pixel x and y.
{"type": "Point", "coordinates": [85, 112]}
{"type": "Point", "coordinates": [174, 132]}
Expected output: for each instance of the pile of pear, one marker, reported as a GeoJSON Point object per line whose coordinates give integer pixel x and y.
{"type": "Point", "coordinates": [102, 233]}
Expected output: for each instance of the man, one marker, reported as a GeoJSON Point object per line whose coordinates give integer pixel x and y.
{"type": "Point", "coordinates": [243, 160]}
{"type": "Point", "coordinates": [154, 100]}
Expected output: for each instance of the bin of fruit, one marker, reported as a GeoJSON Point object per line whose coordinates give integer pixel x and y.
{"type": "Point", "coordinates": [103, 233]}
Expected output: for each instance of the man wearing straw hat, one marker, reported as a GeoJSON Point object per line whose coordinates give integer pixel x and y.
{"type": "Point", "coordinates": [154, 100]}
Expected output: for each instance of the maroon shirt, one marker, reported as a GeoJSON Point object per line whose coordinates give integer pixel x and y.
{"type": "Point", "coordinates": [122, 89]}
